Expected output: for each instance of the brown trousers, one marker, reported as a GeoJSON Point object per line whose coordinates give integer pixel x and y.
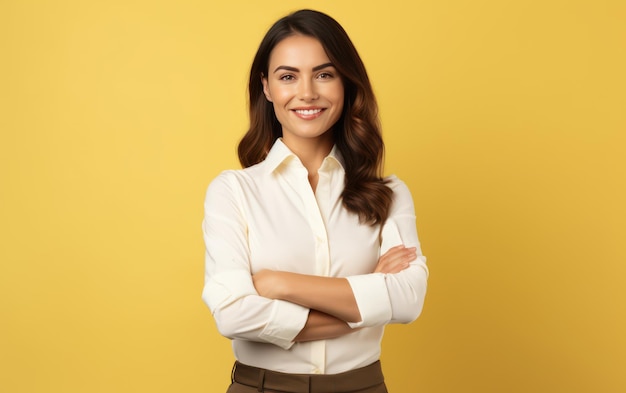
{"type": "Point", "coordinates": [247, 379]}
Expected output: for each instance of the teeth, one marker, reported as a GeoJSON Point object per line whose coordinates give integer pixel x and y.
{"type": "Point", "coordinates": [308, 111]}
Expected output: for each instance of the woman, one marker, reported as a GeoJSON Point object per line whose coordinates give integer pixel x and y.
{"type": "Point", "coordinates": [294, 272]}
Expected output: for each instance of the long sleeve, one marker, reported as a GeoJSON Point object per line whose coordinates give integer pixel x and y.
{"type": "Point", "coordinates": [267, 217]}
{"type": "Point", "coordinates": [229, 292]}
{"type": "Point", "coordinates": [393, 298]}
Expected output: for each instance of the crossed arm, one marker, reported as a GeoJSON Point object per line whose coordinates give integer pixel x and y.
{"type": "Point", "coordinates": [330, 299]}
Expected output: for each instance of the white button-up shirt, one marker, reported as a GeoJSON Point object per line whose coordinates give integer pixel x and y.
{"type": "Point", "coordinates": [268, 217]}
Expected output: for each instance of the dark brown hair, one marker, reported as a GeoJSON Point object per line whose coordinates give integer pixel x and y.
{"type": "Point", "coordinates": [356, 133]}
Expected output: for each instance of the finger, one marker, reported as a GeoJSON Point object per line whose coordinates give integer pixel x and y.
{"type": "Point", "coordinates": [398, 252]}
{"type": "Point", "coordinates": [397, 260]}
{"type": "Point", "coordinates": [399, 249]}
{"type": "Point", "coordinates": [392, 253]}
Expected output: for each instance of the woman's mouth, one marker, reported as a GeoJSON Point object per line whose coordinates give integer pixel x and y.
{"type": "Point", "coordinates": [308, 114]}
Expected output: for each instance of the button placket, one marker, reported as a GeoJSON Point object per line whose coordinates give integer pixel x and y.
{"type": "Point", "coordinates": [314, 212]}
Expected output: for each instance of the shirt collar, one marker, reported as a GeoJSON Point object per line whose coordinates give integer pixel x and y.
{"type": "Point", "coordinates": [280, 153]}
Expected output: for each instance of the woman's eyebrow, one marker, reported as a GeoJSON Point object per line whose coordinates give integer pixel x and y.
{"type": "Point", "coordinates": [294, 69]}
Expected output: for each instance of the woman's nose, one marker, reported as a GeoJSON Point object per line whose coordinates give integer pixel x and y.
{"type": "Point", "coordinates": [307, 91]}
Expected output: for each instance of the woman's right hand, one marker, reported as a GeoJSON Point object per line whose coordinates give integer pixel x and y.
{"type": "Point", "coordinates": [396, 259]}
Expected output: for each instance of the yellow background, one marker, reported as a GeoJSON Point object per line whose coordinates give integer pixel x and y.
{"type": "Point", "coordinates": [505, 118]}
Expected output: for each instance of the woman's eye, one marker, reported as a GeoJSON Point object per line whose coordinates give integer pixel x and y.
{"type": "Point", "coordinates": [287, 77]}
{"type": "Point", "coordinates": [325, 75]}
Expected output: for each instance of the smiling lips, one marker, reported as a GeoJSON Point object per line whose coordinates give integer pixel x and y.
{"type": "Point", "coordinates": [308, 114]}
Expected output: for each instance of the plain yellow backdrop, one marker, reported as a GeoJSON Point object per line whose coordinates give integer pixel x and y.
{"type": "Point", "coordinates": [505, 118]}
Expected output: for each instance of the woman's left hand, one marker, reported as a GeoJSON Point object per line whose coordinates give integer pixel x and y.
{"type": "Point", "coordinates": [269, 283]}
{"type": "Point", "coordinates": [396, 259]}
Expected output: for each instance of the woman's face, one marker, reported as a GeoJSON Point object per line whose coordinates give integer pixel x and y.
{"type": "Point", "coordinates": [304, 87]}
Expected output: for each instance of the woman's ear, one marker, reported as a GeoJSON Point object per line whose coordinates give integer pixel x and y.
{"type": "Point", "coordinates": [266, 89]}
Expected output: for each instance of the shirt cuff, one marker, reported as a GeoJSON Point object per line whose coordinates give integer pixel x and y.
{"type": "Point", "coordinates": [286, 321]}
{"type": "Point", "coordinates": [372, 299]}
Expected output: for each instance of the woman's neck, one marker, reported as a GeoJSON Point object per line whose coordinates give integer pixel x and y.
{"type": "Point", "coordinates": [311, 152]}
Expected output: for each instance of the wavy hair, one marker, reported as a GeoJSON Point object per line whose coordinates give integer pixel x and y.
{"type": "Point", "coordinates": [357, 132]}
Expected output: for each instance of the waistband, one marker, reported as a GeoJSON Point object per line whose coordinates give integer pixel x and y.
{"type": "Point", "coordinates": [348, 381]}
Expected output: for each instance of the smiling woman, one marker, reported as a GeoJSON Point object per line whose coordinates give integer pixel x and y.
{"type": "Point", "coordinates": [310, 252]}
{"type": "Point", "coordinates": [307, 94]}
